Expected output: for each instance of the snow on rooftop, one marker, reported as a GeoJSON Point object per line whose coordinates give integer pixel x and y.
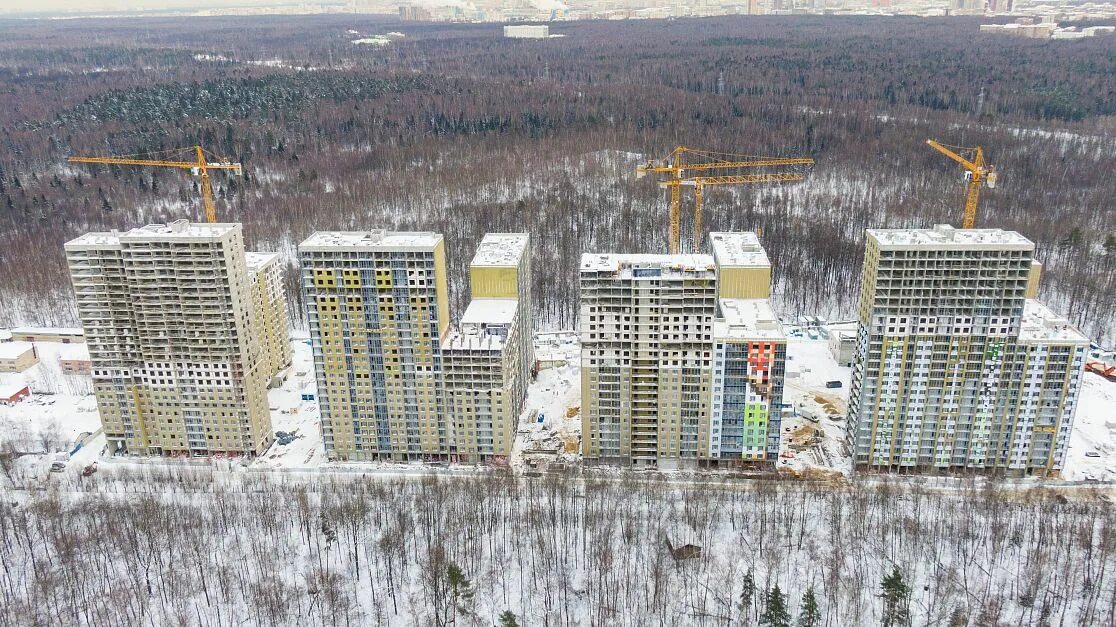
{"type": "Point", "coordinates": [179, 229]}
{"type": "Point", "coordinates": [73, 352]}
{"type": "Point", "coordinates": [1040, 324]}
{"type": "Point", "coordinates": [490, 311]}
{"type": "Point", "coordinates": [747, 318]}
{"type": "Point", "coordinates": [259, 261]}
{"type": "Point", "coordinates": [501, 249]}
{"type": "Point", "coordinates": [14, 350]}
{"type": "Point", "coordinates": [946, 237]}
{"type": "Point", "coordinates": [379, 239]}
{"type": "Point", "coordinates": [740, 248]}
{"type": "Point", "coordinates": [71, 331]}
{"type": "Point", "coordinates": [9, 389]}
{"type": "Point", "coordinates": [614, 263]}
{"type": "Point", "coordinates": [461, 340]}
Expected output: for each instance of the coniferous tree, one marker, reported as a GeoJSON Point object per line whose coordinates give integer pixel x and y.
{"type": "Point", "coordinates": [747, 595]}
{"type": "Point", "coordinates": [809, 615]}
{"type": "Point", "coordinates": [896, 595]}
{"type": "Point", "coordinates": [775, 612]}
{"type": "Point", "coordinates": [507, 619]}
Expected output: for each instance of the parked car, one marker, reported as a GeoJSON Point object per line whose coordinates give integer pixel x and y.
{"type": "Point", "coordinates": [1092, 454]}
{"type": "Point", "coordinates": [832, 384]}
{"type": "Point", "coordinates": [57, 467]}
{"type": "Point", "coordinates": [89, 470]}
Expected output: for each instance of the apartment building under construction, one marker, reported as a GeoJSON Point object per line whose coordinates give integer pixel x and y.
{"type": "Point", "coordinates": [488, 358]}
{"type": "Point", "coordinates": [682, 357]}
{"type": "Point", "coordinates": [377, 306]}
{"type": "Point", "coordinates": [266, 276]}
{"type": "Point", "coordinates": [168, 315]}
{"type": "Point", "coordinates": [956, 367]}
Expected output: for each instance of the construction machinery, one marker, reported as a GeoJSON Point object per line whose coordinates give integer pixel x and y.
{"type": "Point", "coordinates": [202, 162]}
{"type": "Point", "coordinates": [683, 160]}
{"type": "Point", "coordinates": [977, 173]}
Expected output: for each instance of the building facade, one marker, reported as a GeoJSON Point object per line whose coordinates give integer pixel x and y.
{"type": "Point", "coordinates": [683, 359]}
{"type": "Point", "coordinates": [17, 356]}
{"type": "Point", "coordinates": [489, 359]}
{"type": "Point", "coordinates": [271, 313]}
{"type": "Point", "coordinates": [646, 357]}
{"type": "Point", "coordinates": [377, 306]}
{"type": "Point", "coordinates": [956, 369]}
{"type": "Point", "coordinates": [167, 313]}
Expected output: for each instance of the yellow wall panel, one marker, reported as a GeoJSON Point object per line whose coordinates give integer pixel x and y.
{"type": "Point", "coordinates": [1033, 280]}
{"type": "Point", "coordinates": [494, 282]}
{"type": "Point", "coordinates": [744, 282]}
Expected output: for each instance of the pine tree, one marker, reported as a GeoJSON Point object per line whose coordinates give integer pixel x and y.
{"type": "Point", "coordinates": [896, 595]}
{"type": "Point", "coordinates": [809, 615]}
{"type": "Point", "coordinates": [775, 613]}
{"type": "Point", "coordinates": [461, 588]}
{"type": "Point", "coordinates": [507, 619]}
{"type": "Point", "coordinates": [747, 594]}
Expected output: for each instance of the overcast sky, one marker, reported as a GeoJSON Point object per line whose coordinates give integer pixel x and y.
{"type": "Point", "coordinates": [87, 6]}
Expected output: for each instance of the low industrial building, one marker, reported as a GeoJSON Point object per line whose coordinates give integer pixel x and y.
{"type": "Point", "coordinates": [526, 31]}
{"type": "Point", "coordinates": [12, 393]}
{"type": "Point", "coordinates": [74, 360]}
{"type": "Point", "coordinates": [17, 356]}
{"type": "Point", "coordinates": [46, 334]}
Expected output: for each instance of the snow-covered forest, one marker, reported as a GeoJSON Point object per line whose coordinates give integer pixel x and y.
{"type": "Point", "coordinates": [454, 129]}
{"type": "Point", "coordinates": [136, 545]}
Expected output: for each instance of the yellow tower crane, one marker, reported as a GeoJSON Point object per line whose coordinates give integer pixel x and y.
{"type": "Point", "coordinates": [977, 173]}
{"type": "Point", "coordinates": [203, 162]}
{"type": "Point", "coordinates": [676, 166]}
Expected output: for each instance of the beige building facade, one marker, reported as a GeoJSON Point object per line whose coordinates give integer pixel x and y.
{"type": "Point", "coordinates": [378, 309]}
{"type": "Point", "coordinates": [271, 313]}
{"type": "Point", "coordinates": [168, 315]}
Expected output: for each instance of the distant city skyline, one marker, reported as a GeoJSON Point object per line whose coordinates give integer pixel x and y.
{"type": "Point", "coordinates": [29, 7]}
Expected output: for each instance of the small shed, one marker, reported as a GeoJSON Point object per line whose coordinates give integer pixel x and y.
{"type": "Point", "coordinates": [12, 393]}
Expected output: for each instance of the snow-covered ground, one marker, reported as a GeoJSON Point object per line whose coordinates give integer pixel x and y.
{"type": "Point", "coordinates": [814, 431]}
{"type": "Point", "coordinates": [813, 434]}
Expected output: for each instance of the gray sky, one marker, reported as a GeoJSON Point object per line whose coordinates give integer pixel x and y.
{"type": "Point", "coordinates": [93, 6]}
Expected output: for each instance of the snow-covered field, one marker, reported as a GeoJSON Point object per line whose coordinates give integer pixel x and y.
{"type": "Point", "coordinates": [550, 426]}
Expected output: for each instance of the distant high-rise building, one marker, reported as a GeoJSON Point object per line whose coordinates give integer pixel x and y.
{"type": "Point", "coordinates": [489, 358]}
{"type": "Point", "coordinates": [377, 305]}
{"type": "Point", "coordinates": [956, 368]}
{"type": "Point", "coordinates": [271, 311]}
{"type": "Point", "coordinates": [682, 357]}
{"type": "Point", "coordinates": [169, 320]}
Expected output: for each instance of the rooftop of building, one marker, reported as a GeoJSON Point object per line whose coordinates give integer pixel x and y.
{"type": "Point", "coordinates": [747, 319]}
{"type": "Point", "coordinates": [1040, 324]}
{"type": "Point", "coordinates": [379, 239]}
{"type": "Point", "coordinates": [460, 340]}
{"type": "Point", "coordinates": [739, 248]}
{"type": "Point", "coordinates": [259, 261]}
{"type": "Point", "coordinates": [73, 352]}
{"type": "Point", "coordinates": [13, 350]}
{"type": "Point", "coordinates": [490, 311]}
{"type": "Point", "coordinates": [591, 262]}
{"type": "Point", "coordinates": [501, 249]}
{"type": "Point", "coordinates": [179, 230]}
{"type": "Point", "coordinates": [59, 331]}
{"type": "Point", "coordinates": [945, 237]}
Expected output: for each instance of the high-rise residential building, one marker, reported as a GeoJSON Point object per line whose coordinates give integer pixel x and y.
{"type": "Point", "coordinates": [749, 354]}
{"type": "Point", "coordinates": [501, 268]}
{"type": "Point", "coordinates": [489, 358]}
{"type": "Point", "coordinates": [168, 316]}
{"type": "Point", "coordinates": [682, 357]}
{"type": "Point", "coordinates": [646, 357]}
{"type": "Point", "coordinates": [271, 313]}
{"type": "Point", "coordinates": [377, 306]}
{"type": "Point", "coordinates": [956, 369]}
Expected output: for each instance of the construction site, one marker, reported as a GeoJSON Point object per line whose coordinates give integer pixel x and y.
{"type": "Point", "coordinates": [679, 363]}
